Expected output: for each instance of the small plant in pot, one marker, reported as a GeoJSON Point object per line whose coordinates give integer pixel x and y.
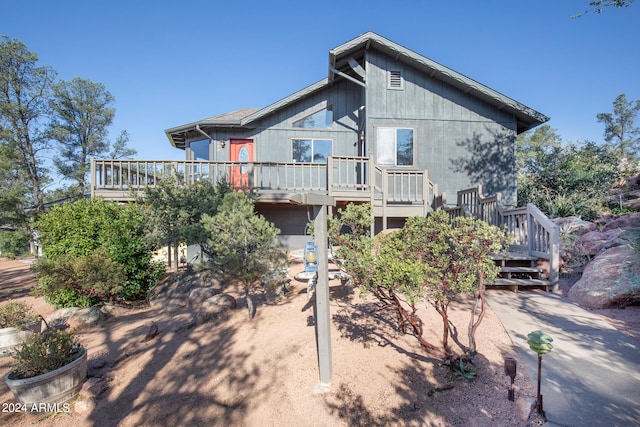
{"type": "Point", "coordinates": [17, 322]}
{"type": "Point", "coordinates": [48, 371]}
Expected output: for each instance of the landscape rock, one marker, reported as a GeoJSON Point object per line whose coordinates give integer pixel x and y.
{"type": "Point", "coordinates": [524, 406]}
{"type": "Point", "coordinates": [85, 317]}
{"type": "Point", "coordinates": [276, 283]}
{"type": "Point", "coordinates": [198, 295]}
{"type": "Point", "coordinates": [624, 221]}
{"type": "Point", "coordinates": [186, 289]}
{"type": "Point", "coordinates": [113, 310]}
{"type": "Point", "coordinates": [61, 314]}
{"type": "Point", "coordinates": [593, 242]}
{"type": "Point", "coordinates": [153, 332]}
{"type": "Point", "coordinates": [93, 388]}
{"type": "Point", "coordinates": [223, 300]}
{"type": "Point", "coordinates": [214, 308]}
{"type": "Point", "coordinates": [58, 319]}
{"type": "Point", "coordinates": [174, 304]}
{"type": "Point", "coordinates": [84, 407]}
{"type": "Point", "coordinates": [612, 279]}
{"type": "Point", "coordinates": [95, 366]}
{"type": "Point", "coordinates": [213, 283]}
{"type": "Point", "coordinates": [574, 225]}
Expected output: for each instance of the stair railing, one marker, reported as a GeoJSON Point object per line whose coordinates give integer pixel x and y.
{"type": "Point", "coordinates": [533, 232]}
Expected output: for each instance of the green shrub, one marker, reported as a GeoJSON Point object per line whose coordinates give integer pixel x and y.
{"type": "Point", "coordinates": [61, 298]}
{"type": "Point", "coordinates": [14, 243]}
{"type": "Point", "coordinates": [44, 352]}
{"type": "Point", "coordinates": [91, 278]}
{"type": "Point", "coordinates": [16, 314]}
{"type": "Point", "coordinates": [82, 228]}
{"type": "Point", "coordinates": [575, 179]}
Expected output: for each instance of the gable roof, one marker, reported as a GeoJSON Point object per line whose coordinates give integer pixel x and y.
{"type": "Point", "coordinates": [342, 65]}
{"type": "Point", "coordinates": [527, 118]}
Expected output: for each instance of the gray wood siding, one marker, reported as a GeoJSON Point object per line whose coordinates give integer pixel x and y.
{"type": "Point", "coordinates": [452, 130]}
{"type": "Point", "coordinates": [272, 134]}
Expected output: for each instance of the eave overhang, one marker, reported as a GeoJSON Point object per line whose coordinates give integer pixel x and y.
{"type": "Point", "coordinates": [179, 135]}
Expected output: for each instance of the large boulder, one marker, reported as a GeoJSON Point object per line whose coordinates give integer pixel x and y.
{"type": "Point", "coordinates": [214, 308]}
{"type": "Point", "coordinates": [593, 242]}
{"type": "Point", "coordinates": [623, 221]}
{"type": "Point", "coordinates": [612, 279]}
{"type": "Point", "coordinates": [181, 290]}
{"type": "Point", "coordinates": [85, 317]}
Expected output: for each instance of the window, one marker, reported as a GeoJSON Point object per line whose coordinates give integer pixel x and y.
{"type": "Point", "coordinates": [322, 119]}
{"type": "Point", "coordinates": [311, 150]}
{"type": "Point", "coordinates": [395, 80]}
{"type": "Point", "coordinates": [199, 149]}
{"type": "Point", "coordinates": [395, 146]}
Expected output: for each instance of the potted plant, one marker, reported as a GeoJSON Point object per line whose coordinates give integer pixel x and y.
{"type": "Point", "coordinates": [17, 322]}
{"type": "Point", "coordinates": [49, 370]}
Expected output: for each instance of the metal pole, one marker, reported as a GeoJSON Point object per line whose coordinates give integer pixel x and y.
{"type": "Point", "coordinates": [323, 323]}
{"type": "Point", "coordinates": [539, 376]}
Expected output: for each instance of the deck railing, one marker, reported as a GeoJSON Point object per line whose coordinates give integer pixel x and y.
{"type": "Point", "coordinates": [403, 186]}
{"type": "Point", "coordinates": [341, 175]}
{"type": "Point", "coordinates": [533, 232]}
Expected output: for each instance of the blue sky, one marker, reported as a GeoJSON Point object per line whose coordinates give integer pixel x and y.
{"type": "Point", "coordinates": [172, 63]}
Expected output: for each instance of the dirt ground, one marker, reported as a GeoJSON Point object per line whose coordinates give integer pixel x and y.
{"type": "Point", "coordinates": [263, 372]}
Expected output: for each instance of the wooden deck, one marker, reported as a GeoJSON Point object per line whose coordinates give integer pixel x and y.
{"type": "Point", "coordinates": [391, 192]}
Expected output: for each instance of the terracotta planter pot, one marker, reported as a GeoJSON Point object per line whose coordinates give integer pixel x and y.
{"type": "Point", "coordinates": [52, 389]}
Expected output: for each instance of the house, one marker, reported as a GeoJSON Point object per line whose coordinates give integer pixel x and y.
{"type": "Point", "coordinates": [386, 126]}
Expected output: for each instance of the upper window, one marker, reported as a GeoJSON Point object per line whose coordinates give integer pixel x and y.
{"type": "Point", "coordinates": [395, 80]}
{"type": "Point", "coordinates": [322, 119]}
{"type": "Point", "coordinates": [395, 146]}
{"type": "Point", "coordinates": [199, 149]}
{"type": "Point", "coordinates": [311, 150]}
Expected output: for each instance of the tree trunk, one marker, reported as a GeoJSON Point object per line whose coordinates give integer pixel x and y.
{"type": "Point", "coordinates": [416, 324]}
{"type": "Point", "coordinates": [175, 257]}
{"type": "Point", "coordinates": [250, 304]}
{"type": "Point", "coordinates": [441, 308]}
{"type": "Point", "coordinates": [473, 326]}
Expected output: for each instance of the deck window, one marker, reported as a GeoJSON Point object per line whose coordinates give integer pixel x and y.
{"type": "Point", "coordinates": [311, 150]}
{"type": "Point", "coordinates": [395, 147]}
{"type": "Point", "coordinates": [322, 119]}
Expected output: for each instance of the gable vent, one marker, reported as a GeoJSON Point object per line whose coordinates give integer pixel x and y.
{"type": "Point", "coordinates": [395, 80]}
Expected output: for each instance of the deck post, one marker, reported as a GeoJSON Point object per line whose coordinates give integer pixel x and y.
{"type": "Point", "coordinates": [321, 203]}
{"type": "Point", "coordinates": [425, 193]}
{"type": "Point", "coordinates": [385, 194]}
{"type": "Point", "coordinates": [554, 262]}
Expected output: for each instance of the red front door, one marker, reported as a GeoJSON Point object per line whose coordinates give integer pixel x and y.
{"type": "Point", "coordinates": [241, 151]}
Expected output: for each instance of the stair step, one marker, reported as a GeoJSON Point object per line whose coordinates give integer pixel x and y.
{"type": "Point", "coordinates": [514, 284]}
{"type": "Point", "coordinates": [513, 256]}
{"type": "Point", "coordinates": [532, 270]}
{"type": "Point", "coordinates": [520, 282]}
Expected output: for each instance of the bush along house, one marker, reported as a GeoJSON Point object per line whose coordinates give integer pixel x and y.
{"type": "Point", "coordinates": [386, 126]}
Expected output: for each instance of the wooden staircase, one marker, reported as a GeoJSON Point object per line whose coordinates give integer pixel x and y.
{"type": "Point", "coordinates": [534, 237]}
{"type": "Point", "coordinates": [519, 270]}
